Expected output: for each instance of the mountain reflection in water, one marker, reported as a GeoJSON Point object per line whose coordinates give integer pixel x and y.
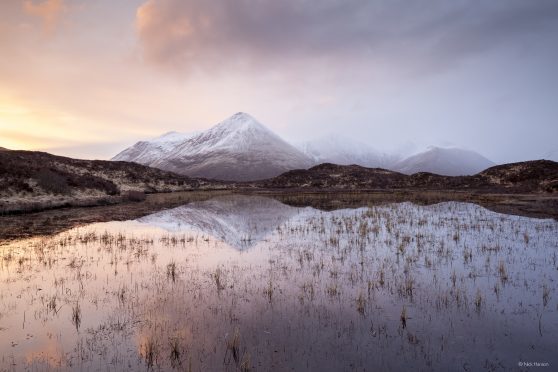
{"type": "Point", "coordinates": [250, 283]}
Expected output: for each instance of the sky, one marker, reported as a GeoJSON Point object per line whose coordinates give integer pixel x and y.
{"type": "Point", "coordinates": [86, 78]}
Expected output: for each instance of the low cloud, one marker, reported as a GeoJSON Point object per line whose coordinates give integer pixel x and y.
{"type": "Point", "coordinates": [49, 11]}
{"type": "Point", "coordinates": [266, 33]}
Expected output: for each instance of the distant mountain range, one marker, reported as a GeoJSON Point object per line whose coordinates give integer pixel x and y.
{"type": "Point", "coordinates": [242, 149]}
{"type": "Point", "coordinates": [444, 161]}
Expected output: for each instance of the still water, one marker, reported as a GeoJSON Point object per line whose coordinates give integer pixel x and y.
{"type": "Point", "coordinates": [246, 283]}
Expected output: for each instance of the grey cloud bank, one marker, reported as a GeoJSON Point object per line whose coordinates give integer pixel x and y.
{"type": "Point", "coordinates": [475, 74]}
{"type": "Point", "coordinates": [222, 32]}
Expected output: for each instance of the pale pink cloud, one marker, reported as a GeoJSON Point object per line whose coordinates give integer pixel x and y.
{"type": "Point", "coordinates": [49, 11]}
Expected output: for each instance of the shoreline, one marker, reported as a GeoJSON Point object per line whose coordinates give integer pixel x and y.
{"type": "Point", "coordinates": [55, 220]}
{"type": "Point", "coordinates": [10, 207]}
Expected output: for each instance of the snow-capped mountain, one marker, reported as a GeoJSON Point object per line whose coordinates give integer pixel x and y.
{"type": "Point", "coordinates": [444, 161]}
{"type": "Point", "coordinates": [237, 149]}
{"type": "Point", "coordinates": [342, 150]}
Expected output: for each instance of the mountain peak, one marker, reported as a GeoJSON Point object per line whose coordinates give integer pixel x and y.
{"type": "Point", "coordinates": [240, 121]}
{"type": "Point", "coordinates": [242, 115]}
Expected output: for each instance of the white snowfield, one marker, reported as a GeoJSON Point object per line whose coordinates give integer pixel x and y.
{"type": "Point", "coordinates": [242, 149]}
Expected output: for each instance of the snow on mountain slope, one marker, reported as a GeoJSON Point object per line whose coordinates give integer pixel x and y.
{"type": "Point", "coordinates": [341, 150]}
{"type": "Point", "coordinates": [146, 152]}
{"type": "Point", "coordinates": [444, 161]}
{"type": "Point", "coordinates": [237, 149]}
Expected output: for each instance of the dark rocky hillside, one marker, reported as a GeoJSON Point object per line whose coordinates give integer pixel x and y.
{"type": "Point", "coordinates": [525, 177]}
{"type": "Point", "coordinates": [541, 175]}
{"type": "Point", "coordinates": [325, 176]}
{"type": "Point", "coordinates": [29, 178]}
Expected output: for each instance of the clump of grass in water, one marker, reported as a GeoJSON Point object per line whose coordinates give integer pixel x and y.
{"type": "Point", "coordinates": [51, 304]}
{"type": "Point", "coordinates": [268, 292]}
{"type": "Point", "coordinates": [409, 282]}
{"type": "Point", "coordinates": [171, 271]}
{"type": "Point", "coordinates": [150, 352]}
{"type": "Point", "coordinates": [467, 255]}
{"type": "Point", "coordinates": [370, 287]}
{"type": "Point", "coordinates": [401, 249]}
{"type": "Point", "coordinates": [218, 278]}
{"type": "Point", "coordinates": [382, 280]}
{"type": "Point", "coordinates": [502, 272]}
{"type": "Point", "coordinates": [361, 304]}
{"type": "Point", "coordinates": [403, 317]}
{"type": "Point", "coordinates": [76, 316]}
{"type": "Point", "coordinates": [74, 264]}
{"type": "Point", "coordinates": [175, 354]}
{"type": "Point", "coordinates": [308, 289]}
{"type": "Point", "coordinates": [121, 294]}
{"type": "Point", "coordinates": [478, 300]}
{"type": "Point", "coordinates": [243, 363]}
{"type": "Point", "coordinates": [497, 290]}
{"type": "Point", "coordinates": [332, 290]}
{"type": "Point", "coordinates": [233, 348]}
{"type": "Point", "coordinates": [546, 295]}
{"type": "Point", "coordinates": [246, 363]}
{"type": "Point", "coordinates": [412, 338]}
{"type": "Point", "coordinates": [453, 277]}
{"type": "Point", "coordinates": [363, 229]}
{"type": "Point", "coordinates": [427, 262]}
{"type": "Point", "coordinates": [456, 236]}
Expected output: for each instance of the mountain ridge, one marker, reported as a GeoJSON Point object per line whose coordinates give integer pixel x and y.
{"type": "Point", "coordinates": [240, 148]}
